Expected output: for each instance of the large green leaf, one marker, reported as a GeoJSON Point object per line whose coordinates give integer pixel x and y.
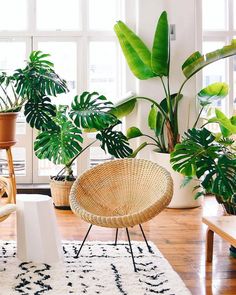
{"type": "Point", "coordinates": [133, 132]}
{"type": "Point", "coordinates": [155, 120]}
{"type": "Point", "coordinates": [212, 92]}
{"type": "Point", "coordinates": [197, 61]}
{"type": "Point", "coordinates": [228, 126]}
{"type": "Point", "coordinates": [114, 142]}
{"type": "Point", "coordinates": [200, 156]}
{"type": "Point", "coordinates": [124, 107]}
{"type": "Point", "coordinates": [137, 55]}
{"type": "Point", "coordinates": [39, 113]}
{"type": "Point", "coordinates": [183, 158]}
{"type": "Point", "coordinates": [59, 145]}
{"type": "Point", "coordinates": [38, 78]}
{"type": "Point", "coordinates": [161, 46]}
{"type": "Point", "coordinates": [91, 111]}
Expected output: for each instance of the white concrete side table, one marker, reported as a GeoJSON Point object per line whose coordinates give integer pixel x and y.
{"type": "Point", "coordinates": [37, 234]}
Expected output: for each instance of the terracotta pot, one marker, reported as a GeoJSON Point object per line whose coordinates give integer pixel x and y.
{"type": "Point", "coordinates": [7, 129]}
{"type": "Point", "coordinates": [183, 197]}
{"type": "Point", "coordinates": [60, 191]}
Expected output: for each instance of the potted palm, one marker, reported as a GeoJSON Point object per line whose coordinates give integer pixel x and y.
{"type": "Point", "coordinates": [211, 159]}
{"type": "Point", "coordinates": [63, 143]}
{"type": "Point", "coordinates": [163, 118]}
{"type": "Point", "coordinates": [30, 88]}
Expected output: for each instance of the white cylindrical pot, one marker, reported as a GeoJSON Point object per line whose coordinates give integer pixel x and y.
{"type": "Point", "coordinates": [183, 197]}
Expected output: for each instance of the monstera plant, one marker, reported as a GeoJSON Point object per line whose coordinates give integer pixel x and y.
{"type": "Point", "coordinates": [211, 159]}
{"type": "Point", "coordinates": [63, 143]}
{"type": "Point", "coordinates": [30, 88]}
{"type": "Point", "coordinates": [146, 64]}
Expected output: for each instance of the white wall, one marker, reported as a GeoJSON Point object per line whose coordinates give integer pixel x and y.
{"type": "Point", "coordinates": [182, 14]}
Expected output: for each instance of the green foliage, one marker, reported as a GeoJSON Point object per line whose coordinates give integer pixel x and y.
{"type": "Point", "coordinates": [123, 108]}
{"type": "Point", "coordinates": [200, 156]}
{"type": "Point", "coordinates": [10, 101]}
{"type": "Point", "coordinates": [60, 144]}
{"type": "Point", "coordinates": [114, 142]}
{"type": "Point", "coordinates": [133, 132]}
{"type": "Point", "coordinates": [137, 54]}
{"type": "Point", "coordinates": [147, 64]}
{"type": "Point", "coordinates": [35, 83]}
{"type": "Point", "coordinates": [212, 92]}
{"type": "Point", "coordinates": [197, 61]}
{"type": "Point", "coordinates": [161, 47]}
{"type": "Point", "coordinates": [91, 111]}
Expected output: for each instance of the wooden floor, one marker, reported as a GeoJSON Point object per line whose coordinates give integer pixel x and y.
{"type": "Point", "coordinates": [180, 236]}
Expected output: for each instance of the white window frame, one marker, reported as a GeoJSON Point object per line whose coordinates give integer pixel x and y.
{"type": "Point", "coordinates": [128, 9]}
{"type": "Point", "coordinates": [225, 36]}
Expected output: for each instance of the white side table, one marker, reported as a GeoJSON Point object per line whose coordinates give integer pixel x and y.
{"type": "Point", "coordinates": [37, 234]}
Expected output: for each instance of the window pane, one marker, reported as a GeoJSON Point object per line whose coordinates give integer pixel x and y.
{"type": "Point", "coordinates": [214, 14]}
{"type": "Point", "coordinates": [103, 14]}
{"type": "Point", "coordinates": [98, 156]}
{"type": "Point", "coordinates": [57, 15]}
{"type": "Point", "coordinates": [47, 168]}
{"type": "Point", "coordinates": [215, 72]}
{"type": "Point", "coordinates": [64, 57]}
{"type": "Point", "coordinates": [13, 15]}
{"type": "Point", "coordinates": [19, 160]}
{"type": "Point", "coordinates": [103, 69]}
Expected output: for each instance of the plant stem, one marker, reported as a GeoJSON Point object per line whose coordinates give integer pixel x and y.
{"type": "Point", "coordinates": [198, 117]}
{"type": "Point", "coordinates": [74, 158]}
{"type": "Point", "coordinates": [164, 86]}
{"type": "Point", "coordinates": [155, 103]}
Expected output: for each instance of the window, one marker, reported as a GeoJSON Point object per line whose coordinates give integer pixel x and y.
{"type": "Point", "coordinates": [219, 28]}
{"type": "Point", "coordinates": [79, 36]}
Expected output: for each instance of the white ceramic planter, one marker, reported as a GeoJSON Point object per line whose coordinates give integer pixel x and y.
{"type": "Point", "coordinates": [183, 197]}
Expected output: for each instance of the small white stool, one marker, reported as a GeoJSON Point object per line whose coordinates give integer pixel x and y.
{"type": "Point", "coordinates": [37, 233]}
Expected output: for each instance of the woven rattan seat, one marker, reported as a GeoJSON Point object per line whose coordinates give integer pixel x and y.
{"type": "Point", "coordinates": [121, 193]}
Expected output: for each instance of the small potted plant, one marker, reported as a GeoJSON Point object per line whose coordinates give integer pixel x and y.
{"type": "Point", "coordinates": [62, 144]}
{"type": "Point", "coordinates": [211, 159]}
{"type": "Point", "coordinates": [163, 118]}
{"type": "Point", "coordinates": [30, 88]}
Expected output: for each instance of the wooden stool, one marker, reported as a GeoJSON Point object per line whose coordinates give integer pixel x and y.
{"type": "Point", "coordinates": [224, 226]}
{"type": "Point", "coordinates": [8, 183]}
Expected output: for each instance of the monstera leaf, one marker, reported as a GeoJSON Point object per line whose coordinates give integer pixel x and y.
{"type": "Point", "coordinates": [39, 113]}
{"type": "Point", "coordinates": [212, 92]}
{"type": "Point", "coordinates": [59, 145]}
{"type": "Point", "coordinates": [195, 143]}
{"type": "Point", "coordinates": [91, 111]}
{"type": "Point", "coordinates": [38, 78]}
{"type": "Point", "coordinates": [200, 156]}
{"type": "Point", "coordinates": [197, 61]}
{"type": "Point", "coordinates": [114, 142]}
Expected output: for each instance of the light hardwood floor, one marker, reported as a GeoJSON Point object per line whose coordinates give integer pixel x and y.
{"type": "Point", "coordinates": [179, 234]}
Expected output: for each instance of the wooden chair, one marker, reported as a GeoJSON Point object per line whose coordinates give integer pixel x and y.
{"type": "Point", "coordinates": [8, 187]}
{"type": "Point", "coordinates": [121, 194]}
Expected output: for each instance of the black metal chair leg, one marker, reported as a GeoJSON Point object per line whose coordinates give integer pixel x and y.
{"type": "Point", "coordinates": [135, 269]}
{"type": "Point", "coordinates": [149, 248]}
{"type": "Point", "coordinates": [116, 236]}
{"type": "Point", "coordinates": [84, 241]}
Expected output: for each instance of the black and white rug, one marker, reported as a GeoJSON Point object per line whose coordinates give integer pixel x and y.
{"type": "Point", "coordinates": [101, 269]}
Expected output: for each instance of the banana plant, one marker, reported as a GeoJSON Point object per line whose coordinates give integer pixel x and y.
{"type": "Point", "coordinates": [152, 63]}
{"type": "Point", "coordinates": [63, 143]}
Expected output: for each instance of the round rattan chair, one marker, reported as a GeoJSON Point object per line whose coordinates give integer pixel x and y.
{"type": "Point", "coordinates": [121, 194]}
{"type": "Point", "coordinates": [8, 205]}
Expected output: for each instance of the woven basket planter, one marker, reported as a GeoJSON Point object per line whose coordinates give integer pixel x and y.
{"type": "Point", "coordinates": [60, 191]}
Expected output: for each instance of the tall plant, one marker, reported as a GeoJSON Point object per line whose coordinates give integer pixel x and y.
{"type": "Point", "coordinates": [89, 112]}
{"type": "Point", "coordinates": [148, 64]}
